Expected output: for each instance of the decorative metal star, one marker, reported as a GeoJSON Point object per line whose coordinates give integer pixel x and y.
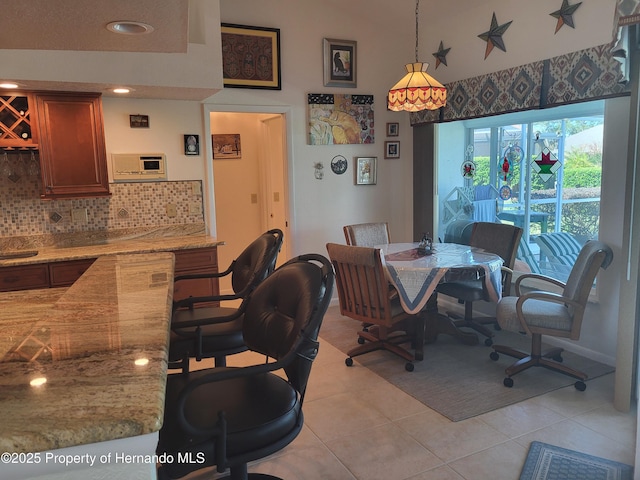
{"type": "Point", "coordinates": [441, 55]}
{"type": "Point", "coordinates": [494, 36]}
{"type": "Point", "coordinates": [565, 14]}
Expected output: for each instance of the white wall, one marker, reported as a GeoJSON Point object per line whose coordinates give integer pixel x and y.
{"type": "Point", "coordinates": [169, 120]}
{"type": "Point", "coordinates": [321, 207]}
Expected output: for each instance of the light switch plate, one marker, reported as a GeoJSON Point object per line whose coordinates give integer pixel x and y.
{"type": "Point", "coordinates": [172, 210]}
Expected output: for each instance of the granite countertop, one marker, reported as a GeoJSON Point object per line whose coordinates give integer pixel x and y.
{"type": "Point", "coordinates": [82, 247]}
{"type": "Point", "coordinates": [102, 347]}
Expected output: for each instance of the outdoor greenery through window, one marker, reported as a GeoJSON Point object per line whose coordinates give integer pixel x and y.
{"type": "Point", "coordinates": [541, 171]}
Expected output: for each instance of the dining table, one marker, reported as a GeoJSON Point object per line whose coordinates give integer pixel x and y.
{"type": "Point", "coordinates": [415, 274]}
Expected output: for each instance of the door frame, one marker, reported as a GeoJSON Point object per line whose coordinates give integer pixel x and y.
{"type": "Point", "coordinates": [209, 191]}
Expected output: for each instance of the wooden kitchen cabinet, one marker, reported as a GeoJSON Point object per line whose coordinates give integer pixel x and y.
{"type": "Point", "coordinates": [73, 157]}
{"type": "Point", "coordinates": [64, 274]}
{"type": "Point", "coordinates": [196, 261]}
{"type": "Point", "coordinates": [24, 277]}
{"type": "Point", "coordinates": [18, 127]}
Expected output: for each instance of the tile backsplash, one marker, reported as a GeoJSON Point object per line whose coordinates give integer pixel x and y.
{"type": "Point", "coordinates": [131, 205]}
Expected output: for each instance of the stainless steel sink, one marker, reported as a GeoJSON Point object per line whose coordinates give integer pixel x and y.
{"type": "Point", "coordinates": [18, 254]}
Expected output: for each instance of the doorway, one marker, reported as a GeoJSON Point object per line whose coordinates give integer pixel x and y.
{"type": "Point", "coordinates": [251, 192]}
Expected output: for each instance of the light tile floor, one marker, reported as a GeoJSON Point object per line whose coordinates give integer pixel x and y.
{"type": "Point", "coordinates": [358, 426]}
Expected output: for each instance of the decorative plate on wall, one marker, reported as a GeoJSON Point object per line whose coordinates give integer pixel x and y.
{"type": "Point", "coordinates": [338, 164]}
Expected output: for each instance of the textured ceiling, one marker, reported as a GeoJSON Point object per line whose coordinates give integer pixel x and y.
{"type": "Point", "coordinates": [80, 25]}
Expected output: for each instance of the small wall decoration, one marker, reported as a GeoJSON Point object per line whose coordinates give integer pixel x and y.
{"type": "Point", "coordinates": [393, 129]}
{"type": "Point", "coordinates": [468, 169]}
{"type": "Point", "coordinates": [340, 119]}
{"type": "Point", "coordinates": [192, 144]}
{"type": "Point", "coordinates": [338, 164]}
{"type": "Point", "coordinates": [250, 57]}
{"type": "Point", "coordinates": [139, 121]}
{"type": "Point", "coordinates": [226, 145]}
{"type": "Point", "coordinates": [365, 171]}
{"type": "Point", "coordinates": [441, 55]}
{"type": "Point", "coordinates": [318, 170]}
{"type": "Point", "coordinates": [565, 14]}
{"type": "Point", "coordinates": [391, 149]}
{"type": "Point", "coordinates": [339, 63]}
{"type": "Point", "coordinates": [493, 36]}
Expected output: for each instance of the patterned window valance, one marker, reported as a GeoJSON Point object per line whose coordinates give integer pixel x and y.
{"type": "Point", "coordinates": [588, 74]}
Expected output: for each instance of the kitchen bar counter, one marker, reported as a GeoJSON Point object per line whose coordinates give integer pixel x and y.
{"type": "Point", "coordinates": [100, 347]}
{"type": "Point", "coordinates": [95, 248]}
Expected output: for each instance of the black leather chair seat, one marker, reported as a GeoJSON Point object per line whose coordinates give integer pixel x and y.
{"type": "Point", "coordinates": [223, 338]}
{"type": "Point", "coordinates": [464, 290]}
{"type": "Point", "coordinates": [262, 414]}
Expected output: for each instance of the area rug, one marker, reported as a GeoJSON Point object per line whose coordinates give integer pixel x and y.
{"type": "Point", "coordinates": [548, 462]}
{"type": "Point", "coordinates": [459, 381]}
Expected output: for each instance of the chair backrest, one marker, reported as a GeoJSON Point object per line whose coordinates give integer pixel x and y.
{"type": "Point", "coordinates": [367, 234]}
{"type": "Point", "coordinates": [363, 289]}
{"type": "Point", "coordinates": [501, 239]}
{"type": "Point", "coordinates": [284, 313]}
{"type": "Point", "coordinates": [459, 231]}
{"type": "Point", "coordinates": [256, 261]}
{"type": "Point", "coordinates": [593, 256]}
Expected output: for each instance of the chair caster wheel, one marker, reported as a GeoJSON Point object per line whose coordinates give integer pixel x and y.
{"type": "Point", "coordinates": [409, 367]}
{"type": "Point", "coordinates": [348, 362]}
{"type": "Point", "coordinates": [580, 386]}
{"type": "Point", "coordinates": [494, 356]}
{"type": "Point", "coordinates": [488, 342]}
{"type": "Point", "coordinates": [361, 340]}
{"type": "Point", "coordinates": [508, 382]}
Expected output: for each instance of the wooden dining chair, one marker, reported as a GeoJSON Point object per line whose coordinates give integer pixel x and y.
{"type": "Point", "coordinates": [366, 295]}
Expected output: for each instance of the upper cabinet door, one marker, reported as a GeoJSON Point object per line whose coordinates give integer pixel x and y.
{"type": "Point", "coordinates": [72, 150]}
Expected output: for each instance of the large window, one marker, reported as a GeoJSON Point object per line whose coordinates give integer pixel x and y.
{"type": "Point", "coordinates": [540, 170]}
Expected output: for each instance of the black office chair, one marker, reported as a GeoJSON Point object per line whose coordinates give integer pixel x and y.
{"type": "Point", "coordinates": [230, 416]}
{"type": "Point", "coordinates": [217, 331]}
{"type": "Point", "coordinates": [498, 238]}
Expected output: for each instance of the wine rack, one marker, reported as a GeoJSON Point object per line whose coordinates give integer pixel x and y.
{"type": "Point", "coordinates": [17, 122]}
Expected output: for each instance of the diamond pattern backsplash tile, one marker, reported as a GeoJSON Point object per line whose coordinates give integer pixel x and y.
{"type": "Point", "coordinates": [131, 205]}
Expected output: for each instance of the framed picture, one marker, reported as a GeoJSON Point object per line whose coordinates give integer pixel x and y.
{"type": "Point", "coordinates": [250, 57]}
{"type": "Point", "coordinates": [391, 149]}
{"type": "Point", "coordinates": [339, 63]}
{"type": "Point", "coordinates": [191, 144]}
{"type": "Point", "coordinates": [226, 145]}
{"type": "Point", "coordinates": [366, 171]}
{"type": "Point", "coordinates": [393, 129]}
{"type": "Point", "coordinates": [139, 121]}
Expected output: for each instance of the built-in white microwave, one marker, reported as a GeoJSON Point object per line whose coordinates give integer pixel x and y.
{"type": "Point", "coordinates": [129, 167]}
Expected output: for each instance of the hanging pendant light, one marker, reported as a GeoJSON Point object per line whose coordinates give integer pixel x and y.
{"type": "Point", "coordinates": [417, 90]}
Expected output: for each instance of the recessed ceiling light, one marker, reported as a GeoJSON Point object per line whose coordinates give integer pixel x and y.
{"type": "Point", "coordinates": [8, 85]}
{"type": "Point", "coordinates": [121, 90]}
{"type": "Point", "coordinates": [126, 27]}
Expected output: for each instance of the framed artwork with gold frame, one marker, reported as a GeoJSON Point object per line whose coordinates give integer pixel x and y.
{"type": "Point", "coordinates": [250, 57]}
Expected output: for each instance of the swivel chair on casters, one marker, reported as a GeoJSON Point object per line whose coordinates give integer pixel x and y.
{"type": "Point", "coordinates": [539, 313]}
